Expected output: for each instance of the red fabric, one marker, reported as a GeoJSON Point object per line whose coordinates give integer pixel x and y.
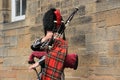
{"type": "Point", "coordinates": [54, 61]}
{"type": "Point", "coordinates": [70, 60]}
{"type": "Point", "coordinates": [37, 54]}
{"type": "Point", "coordinates": [58, 17]}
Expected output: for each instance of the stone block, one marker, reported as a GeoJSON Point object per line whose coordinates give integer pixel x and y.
{"type": "Point", "coordinates": [105, 5]}
{"type": "Point", "coordinates": [10, 32]}
{"type": "Point", "coordinates": [1, 60]}
{"type": "Point", "coordinates": [17, 52]}
{"type": "Point", "coordinates": [8, 79]}
{"type": "Point", "coordinates": [15, 61]}
{"type": "Point", "coordinates": [108, 61]}
{"type": "Point", "coordinates": [106, 70]}
{"type": "Point", "coordinates": [101, 24]}
{"type": "Point", "coordinates": [32, 8]}
{"type": "Point", "coordinates": [39, 19]}
{"type": "Point", "coordinates": [71, 78]}
{"type": "Point", "coordinates": [24, 74]}
{"type": "Point", "coordinates": [1, 19]}
{"type": "Point", "coordinates": [97, 47]}
{"type": "Point", "coordinates": [91, 37]}
{"type": "Point", "coordinates": [114, 48]}
{"type": "Point", "coordinates": [78, 40]}
{"type": "Point", "coordinates": [68, 3]}
{"type": "Point", "coordinates": [113, 17]}
{"type": "Point", "coordinates": [23, 41]}
{"type": "Point", "coordinates": [85, 2]}
{"type": "Point", "coordinates": [90, 8]}
{"type": "Point", "coordinates": [118, 62]}
{"type": "Point", "coordinates": [100, 34]}
{"type": "Point", "coordinates": [88, 60]}
{"type": "Point", "coordinates": [76, 74]}
{"type": "Point", "coordinates": [112, 33]}
{"type": "Point", "coordinates": [95, 77]}
{"type": "Point", "coordinates": [1, 51]}
{"type": "Point", "coordinates": [98, 17]}
{"type": "Point", "coordinates": [7, 74]}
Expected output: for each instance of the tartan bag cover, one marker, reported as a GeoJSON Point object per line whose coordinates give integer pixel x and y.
{"type": "Point", "coordinates": [54, 61]}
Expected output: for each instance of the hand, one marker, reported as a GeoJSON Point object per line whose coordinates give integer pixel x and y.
{"type": "Point", "coordinates": [37, 43]}
{"type": "Point", "coordinates": [33, 66]}
{"type": "Point", "coordinates": [30, 67]}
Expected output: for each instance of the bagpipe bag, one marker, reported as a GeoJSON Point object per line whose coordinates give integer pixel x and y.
{"type": "Point", "coordinates": [54, 60]}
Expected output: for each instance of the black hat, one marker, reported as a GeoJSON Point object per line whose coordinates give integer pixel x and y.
{"type": "Point", "coordinates": [52, 20]}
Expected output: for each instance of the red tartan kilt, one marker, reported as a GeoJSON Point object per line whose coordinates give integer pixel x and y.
{"type": "Point", "coordinates": [54, 61]}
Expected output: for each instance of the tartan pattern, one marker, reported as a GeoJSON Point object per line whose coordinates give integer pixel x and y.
{"type": "Point", "coordinates": [54, 61]}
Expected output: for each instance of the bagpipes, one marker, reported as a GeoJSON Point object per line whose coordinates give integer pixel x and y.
{"type": "Point", "coordinates": [60, 31]}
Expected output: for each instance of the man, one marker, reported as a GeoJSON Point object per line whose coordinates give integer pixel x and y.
{"type": "Point", "coordinates": [56, 58]}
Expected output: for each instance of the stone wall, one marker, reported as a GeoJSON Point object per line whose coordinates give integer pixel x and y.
{"type": "Point", "coordinates": [93, 34]}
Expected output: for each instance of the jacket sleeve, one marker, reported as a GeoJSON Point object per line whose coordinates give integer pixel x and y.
{"type": "Point", "coordinates": [36, 46]}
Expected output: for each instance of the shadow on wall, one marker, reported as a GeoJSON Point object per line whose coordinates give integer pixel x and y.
{"type": "Point", "coordinates": [78, 40]}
